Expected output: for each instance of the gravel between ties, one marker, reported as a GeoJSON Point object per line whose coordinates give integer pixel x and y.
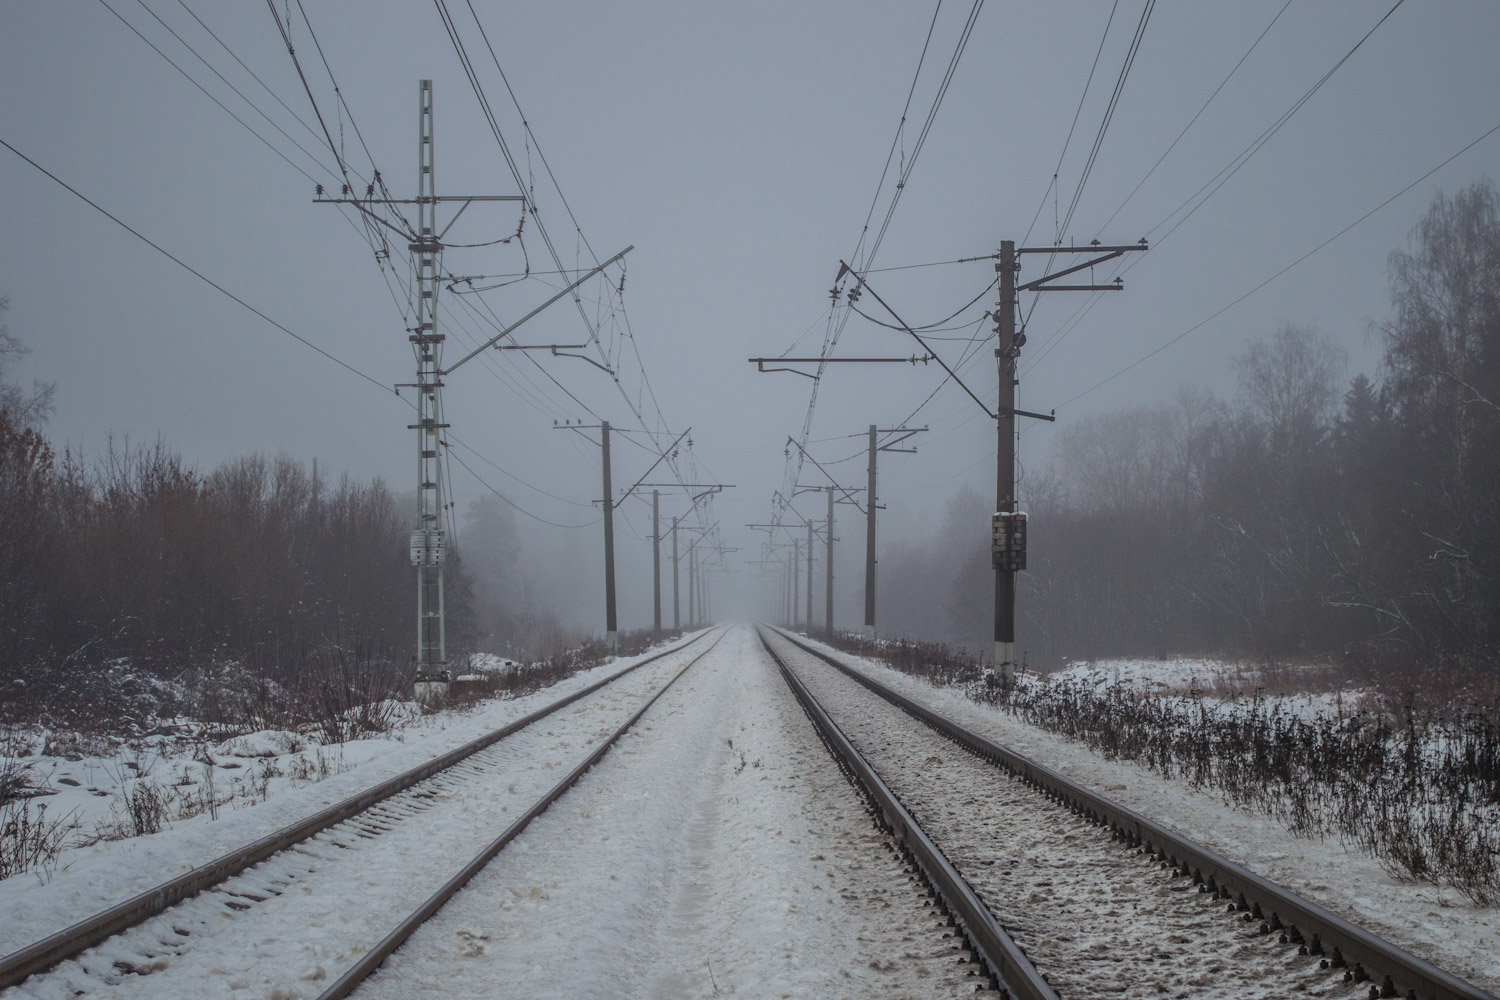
{"type": "Point", "coordinates": [1097, 919]}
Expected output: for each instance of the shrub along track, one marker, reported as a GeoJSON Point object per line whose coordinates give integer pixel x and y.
{"type": "Point", "coordinates": [1163, 915]}
{"type": "Point", "coordinates": [355, 834]}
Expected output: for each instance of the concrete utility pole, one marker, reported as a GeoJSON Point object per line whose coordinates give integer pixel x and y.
{"type": "Point", "coordinates": [809, 575]}
{"type": "Point", "coordinates": [697, 586]}
{"type": "Point", "coordinates": [656, 562]}
{"type": "Point", "coordinates": [1008, 528]}
{"type": "Point", "coordinates": [1006, 352]}
{"type": "Point", "coordinates": [870, 542]}
{"type": "Point", "coordinates": [828, 589]}
{"type": "Point", "coordinates": [611, 620]}
{"type": "Point", "coordinates": [676, 618]}
{"type": "Point", "coordinates": [695, 596]}
{"type": "Point", "coordinates": [611, 623]}
{"type": "Point", "coordinates": [871, 506]}
{"type": "Point", "coordinates": [796, 582]}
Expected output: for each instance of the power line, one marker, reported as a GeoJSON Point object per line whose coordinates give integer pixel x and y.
{"type": "Point", "coordinates": [190, 269]}
{"type": "Point", "coordinates": [836, 321]}
{"type": "Point", "coordinates": [1194, 120]}
{"type": "Point", "coordinates": [1244, 156]}
{"type": "Point", "coordinates": [243, 124]}
{"type": "Point", "coordinates": [1076, 112]}
{"type": "Point", "coordinates": [1221, 311]}
{"type": "Point", "coordinates": [1109, 114]}
{"type": "Point", "coordinates": [480, 479]}
{"type": "Point", "coordinates": [339, 95]}
{"type": "Point", "coordinates": [532, 139]}
{"type": "Point", "coordinates": [1222, 178]}
{"type": "Point", "coordinates": [276, 97]}
{"type": "Point", "coordinates": [511, 475]}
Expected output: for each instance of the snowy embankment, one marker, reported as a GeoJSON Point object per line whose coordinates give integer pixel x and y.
{"type": "Point", "coordinates": [1096, 920]}
{"type": "Point", "coordinates": [1433, 922]}
{"type": "Point", "coordinates": [279, 790]}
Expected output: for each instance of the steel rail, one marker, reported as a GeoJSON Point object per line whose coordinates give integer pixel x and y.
{"type": "Point", "coordinates": [64, 944]}
{"type": "Point", "coordinates": [1299, 921]}
{"type": "Point", "coordinates": [373, 959]}
{"type": "Point", "coordinates": [1006, 962]}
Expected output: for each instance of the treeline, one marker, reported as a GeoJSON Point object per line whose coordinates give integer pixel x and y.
{"type": "Point", "coordinates": [1308, 516]}
{"type": "Point", "coordinates": [252, 568]}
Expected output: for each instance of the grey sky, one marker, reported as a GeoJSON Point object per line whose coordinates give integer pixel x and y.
{"type": "Point", "coordinates": [738, 148]}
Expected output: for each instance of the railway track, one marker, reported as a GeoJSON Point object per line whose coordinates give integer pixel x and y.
{"type": "Point", "coordinates": [1100, 899]}
{"type": "Point", "coordinates": [719, 851]}
{"type": "Point", "coordinates": [392, 836]}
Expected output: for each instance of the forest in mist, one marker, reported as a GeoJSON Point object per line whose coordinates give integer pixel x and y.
{"type": "Point", "coordinates": [1311, 515]}
{"type": "Point", "coordinates": [257, 571]}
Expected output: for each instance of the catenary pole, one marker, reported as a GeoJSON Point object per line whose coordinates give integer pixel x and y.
{"type": "Point", "coordinates": [1009, 527]}
{"type": "Point", "coordinates": [656, 561]}
{"type": "Point", "coordinates": [870, 543]}
{"type": "Point", "coordinates": [809, 620]}
{"type": "Point", "coordinates": [828, 559]}
{"type": "Point", "coordinates": [796, 578]}
{"type": "Point", "coordinates": [1005, 457]}
{"type": "Point", "coordinates": [611, 624]}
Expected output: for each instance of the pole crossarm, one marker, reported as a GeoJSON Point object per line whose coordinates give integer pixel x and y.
{"type": "Point", "coordinates": [432, 200]}
{"type": "Point", "coordinates": [792, 441]}
{"type": "Point", "coordinates": [902, 323]}
{"type": "Point", "coordinates": [580, 428]}
{"type": "Point", "coordinates": [1091, 248]}
{"type": "Point", "coordinates": [704, 534]}
{"type": "Point", "coordinates": [556, 350]}
{"type": "Point", "coordinates": [811, 524]}
{"type": "Point", "coordinates": [511, 329]}
{"type": "Point", "coordinates": [1105, 253]}
{"type": "Point", "coordinates": [1049, 417]}
{"type": "Point", "coordinates": [761, 363]}
{"type": "Point", "coordinates": [905, 433]}
{"type": "Point", "coordinates": [659, 459]}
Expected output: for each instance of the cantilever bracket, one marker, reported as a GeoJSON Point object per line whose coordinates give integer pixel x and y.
{"type": "Point", "coordinates": [761, 363]}
{"type": "Point", "coordinates": [1049, 417]}
{"type": "Point", "coordinates": [557, 352]}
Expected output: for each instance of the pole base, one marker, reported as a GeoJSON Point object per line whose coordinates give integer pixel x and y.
{"type": "Point", "coordinates": [613, 638]}
{"type": "Point", "coordinates": [869, 632]}
{"type": "Point", "coordinates": [1005, 661]}
{"type": "Point", "coordinates": [431, 687]}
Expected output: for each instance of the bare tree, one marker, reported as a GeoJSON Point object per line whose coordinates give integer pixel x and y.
{"type": "Point", "coordinates": [24, 408]}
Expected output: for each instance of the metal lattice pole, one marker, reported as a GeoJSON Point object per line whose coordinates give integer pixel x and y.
{"type": "Point", "coordinates": [427, 344]}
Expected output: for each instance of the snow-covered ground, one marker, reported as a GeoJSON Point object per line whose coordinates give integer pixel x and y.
{"type": "Point", "coordinates": [1096, 920]}
{"type": "Point", "coordinates": [1304, 690]}
{"type": "Point", "coordinates": [306, 914]}
{"type": "Point", "coordinates": [89, 879]}
{"type": "Point", "coordinates": [715, 851]}
{"type": "Point", "coordinates": [1433, 922]}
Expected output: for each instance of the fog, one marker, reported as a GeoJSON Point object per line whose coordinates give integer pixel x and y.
{"type": "Point", "coordinates": [743, 152]}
